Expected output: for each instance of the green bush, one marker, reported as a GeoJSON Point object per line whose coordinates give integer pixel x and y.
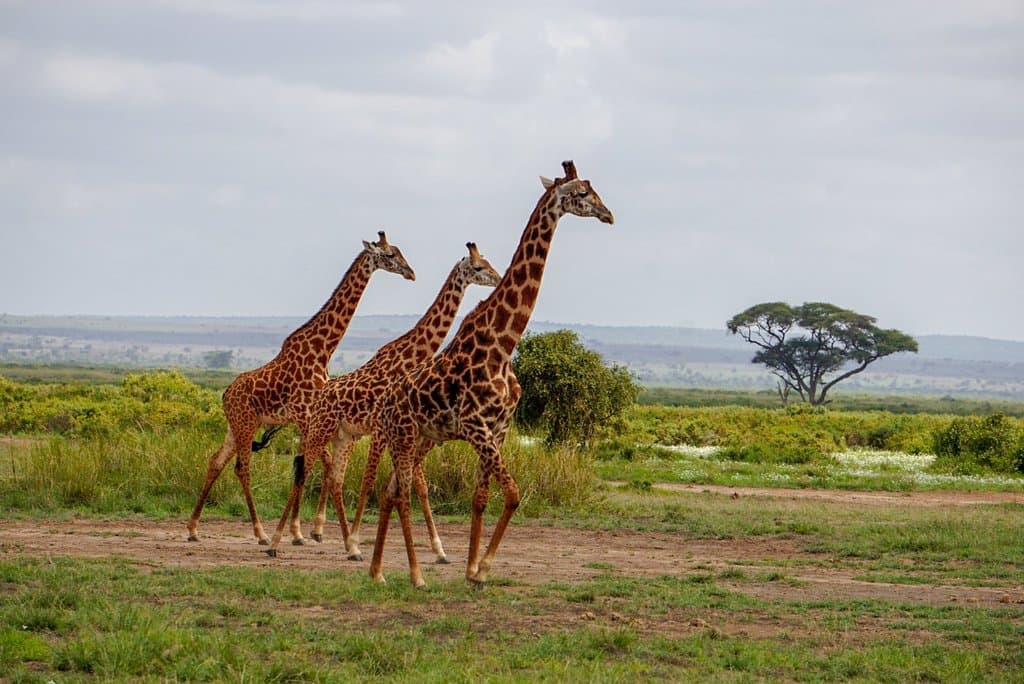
{"type": "Point", "coordinates": [817, 428]}
{"type": "Point", "coordinates": [769, 453]}
{"type": "Point", "coordinates": [613, 449]}
{"type": "Point", "coordinates": [568, 392]}
{"type": "Point", "coordinates": [154, 401]}
{"type": "Point", "coordinates": [973, 444]}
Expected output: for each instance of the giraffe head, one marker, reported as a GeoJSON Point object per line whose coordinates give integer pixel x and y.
{"type": "Point", "coordinates": [577, 196]}
{"type": "Point", "coordinates": [388, 257]}
{"type": "Point", "coordinates": [476, 270]}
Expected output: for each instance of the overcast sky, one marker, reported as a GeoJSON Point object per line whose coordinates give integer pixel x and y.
{"type": "Point", "coordinates": [226, 157]}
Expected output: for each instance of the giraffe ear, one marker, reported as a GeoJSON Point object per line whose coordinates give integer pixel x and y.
{"type": "Point", "coordinates": [546, 182]}
{"type": "Point", "coordinates": [369, 246]}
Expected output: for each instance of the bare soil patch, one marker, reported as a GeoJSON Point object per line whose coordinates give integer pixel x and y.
{"type": "Point", "coordinates": [530, 555]}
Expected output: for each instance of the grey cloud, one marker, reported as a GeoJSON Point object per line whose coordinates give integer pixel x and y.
{"type": "Point", "coordinates": [227, 158]}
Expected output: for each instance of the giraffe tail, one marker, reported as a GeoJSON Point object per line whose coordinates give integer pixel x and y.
{"type": "Point", "coordinates": [268, 434]}
{"type": "Point", "coordinates": [298, 468]}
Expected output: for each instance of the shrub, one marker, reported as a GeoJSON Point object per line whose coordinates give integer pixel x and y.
{"type": "Point", "coordinates": [154, 401]}
{"type": "Point", "coordinates": [771, 453]}
{"type": "Point", "coordinates": [973, 444]}
{"type": "Point", "coordinates": [821, 429]}
{"type": "Point", "coordinates": [568, 392]}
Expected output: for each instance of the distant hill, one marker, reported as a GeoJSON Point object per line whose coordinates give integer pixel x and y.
{"type": "Point", "coordinates": [946, 364]}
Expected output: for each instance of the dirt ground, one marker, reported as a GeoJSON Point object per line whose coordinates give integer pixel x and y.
{"type": "Point", "coordinates": [529, 554]}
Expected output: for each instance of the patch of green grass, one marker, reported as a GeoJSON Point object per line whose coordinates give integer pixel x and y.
{"type": "Point", "coordinates": [270, 625]}
{"type": "Point", "coordinates": [643, 474]}
{"type": "Point", "coordinates": [21, 645]}
{"type": "Point", "coordinates": [971, 545]}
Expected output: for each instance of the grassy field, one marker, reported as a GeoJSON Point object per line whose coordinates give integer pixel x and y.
{"type": "Point", "coordinates": [674, 549]}
{"type": "Point", "coordinates": [790, 595]}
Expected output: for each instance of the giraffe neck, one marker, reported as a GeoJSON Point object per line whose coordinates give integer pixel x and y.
{"type": "Point", "coordinates": [430, 331]}
{"type": "Point", "coordinates": [317, 339]}
{"type": "Point", "coordinates": [500, 320]}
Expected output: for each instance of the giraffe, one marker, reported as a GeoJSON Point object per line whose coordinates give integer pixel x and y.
{"type": "Point", "coordinates": [343, 410]}
{"type": "Point", "coordinates": [262, 396]}
{"type": "Point", "coordinates": [468, 391]}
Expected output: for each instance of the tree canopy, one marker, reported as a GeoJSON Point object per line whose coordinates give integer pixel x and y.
{"type": "Point", "coordinates": [802, 345]}
{"type": "Point", "coordinates": [568, 391]}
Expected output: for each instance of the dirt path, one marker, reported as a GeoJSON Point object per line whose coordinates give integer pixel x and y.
{"type": "Point", "coordinates": [917, 499]}
{"type": "Point", "coordinates": [530, 554]}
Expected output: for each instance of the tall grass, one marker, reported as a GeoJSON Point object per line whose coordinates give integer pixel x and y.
{"type": "Point", "coordinates": [137, 471]}
{"type": "Point", "coordinates": [161, 474]}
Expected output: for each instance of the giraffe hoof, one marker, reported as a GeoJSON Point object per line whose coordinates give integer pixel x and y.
{"type": "Point", "coordinates": [477, 584]}
{"type": "Point", "coordinates": [355, 556]}
{"type": "Point", "coordinates": [318, 538]}
{"type": "Point", "coordinates": [271, 552]}
{"type": "Point", "coordinates": [193, 537]}
{"type": "Point", "coordinates": [298, 542]}
{"type": "Point", "coordinates": [442, 560]}
{"type": "Point", "coordinates": [264, 542]}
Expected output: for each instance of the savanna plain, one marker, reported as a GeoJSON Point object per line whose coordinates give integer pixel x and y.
{"type": "Point", "coordinates": [694, 539]}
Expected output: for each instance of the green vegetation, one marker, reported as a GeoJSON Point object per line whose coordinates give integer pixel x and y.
{"type": "Point", "coordinates": [568, 391]}
{"type": "Point", "coordinates": [137, 444]}
{"type": "Point", "coordinates": [49, 374]}
{"type": "Point", "coordinates": [143, 446]}
{"type": "Point", "coordinates": [891, 403]}
{"type": "Point", "coordinates": [118, 620]}
{"type": "Point", "coordinates": [797, 427]}
{"type": "Point", "coordinates": [972, 445]}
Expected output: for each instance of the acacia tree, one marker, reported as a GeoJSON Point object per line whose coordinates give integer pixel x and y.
{"type": "Point", "coordinates": [568, 391]}
{"type": "Point", "coordinates": [835, 341]}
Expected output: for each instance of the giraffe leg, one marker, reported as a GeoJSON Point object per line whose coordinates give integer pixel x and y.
{"type": "Point", "coordinates": [403, 477]}
{"type": "Point", "coordinates": [341, 450]}
{"type": "Point", "coordinates": [387, 503]}
{"type": "Point", "coordinates": [321, 513]}
{"type": "Point", "coordinates": [294, 499]}
{"type": "Point", "coordinates": [491, 464]}
{"type": "Point", "coordinates": [476, 524]}
{"type": "Point", "coordinates": [419, 481]}
{"type": "Point", "coordinates": [369, 478]}
{"type": "Point", "coordinates": [295, 519]}
{"type": "Point", "coordinates": [334, 479]}
{"type": "Point", "coordinates": [214, 468]}
{"type": "Point", "coordinates": [402, 457]}
{"type": "Point", "coordinates": [510, 492]}
{"type": "Point", "coordinates": [243, 454]}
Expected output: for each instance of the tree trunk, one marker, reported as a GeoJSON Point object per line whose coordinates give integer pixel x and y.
{"type": "Point", "coordinates": [783, 390]}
